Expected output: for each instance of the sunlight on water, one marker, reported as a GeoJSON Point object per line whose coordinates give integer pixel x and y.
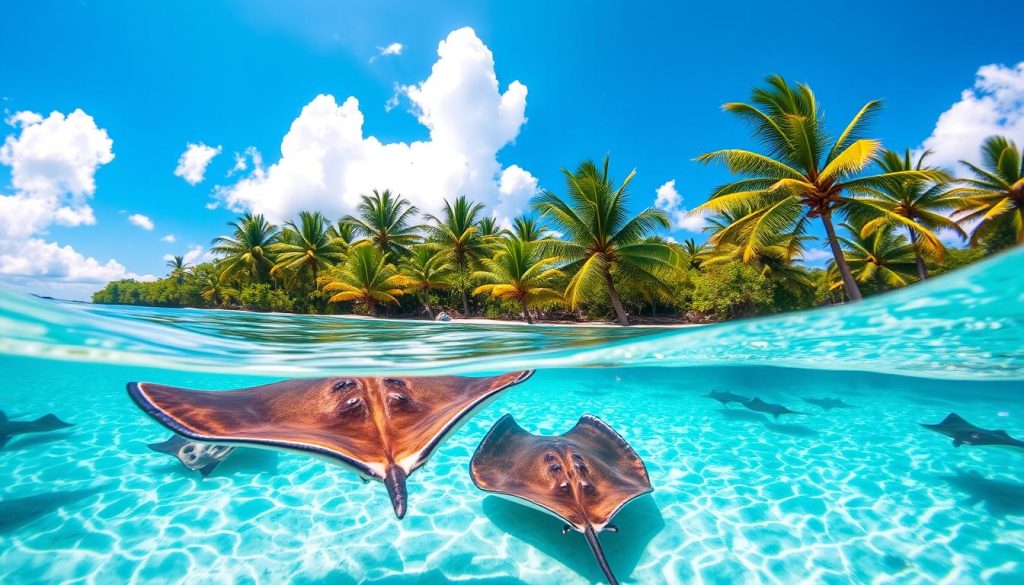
{"type": "Point", "coordinates": [857, 495]}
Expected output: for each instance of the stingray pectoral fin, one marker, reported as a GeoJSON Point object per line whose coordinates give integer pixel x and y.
{"type": "Point", "coordinates": [303, 416]}
{"type": "Point", "coordinates": [207, 469]}
{"type": "Point", "coordinates": [423, 412]}
{"type": "Point", "coordinates": [595, 547]}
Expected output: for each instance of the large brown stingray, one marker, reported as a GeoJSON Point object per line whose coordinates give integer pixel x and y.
{"type": "Point", "coordinates": [383, 428]}
{"type": "Point", "coordinates": [584, 476]}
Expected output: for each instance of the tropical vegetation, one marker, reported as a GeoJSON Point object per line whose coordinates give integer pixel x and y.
{"type": "Point", "coordinates": [585, 253]}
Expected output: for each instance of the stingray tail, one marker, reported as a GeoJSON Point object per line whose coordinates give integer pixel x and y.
{"type": "Point", "coordinates": [394, 480]}
{"type": "Point", "coordinates": [595, 546]}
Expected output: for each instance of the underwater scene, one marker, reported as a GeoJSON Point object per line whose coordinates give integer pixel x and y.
{"type": "Point", "coordinates": [828, 477]}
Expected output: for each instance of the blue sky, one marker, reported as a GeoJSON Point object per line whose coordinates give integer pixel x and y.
{"type": "Point", "coordinates": [644, 84]}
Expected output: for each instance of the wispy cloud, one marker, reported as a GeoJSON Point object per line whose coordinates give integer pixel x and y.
{"type": "Point", "coordinates": [193, 162]}
{"type": "Point", "coordinates": [392, 49]}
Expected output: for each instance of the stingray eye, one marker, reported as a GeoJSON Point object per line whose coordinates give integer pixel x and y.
{"type": "Point", "coordinates": [343, 385]}
{"type": "Point", "coordinates": [581, 468]}
{"type": "Point", "coordinates": [576, 457]}
{"type": "Point", "coordinates": [394, 383]}
{"type": "Point", "coordinates": [555, 468]}
{"type": "Point", "coordinates": [548, 457]}
{"type": "Point", "coordinates": [588, 488]}
{"type": "Point", "coordinates": [563, 487]}
{"type": "Point", "coordinates": [350, 406]}
{"type": "Point", "coordinates": [397, 398]}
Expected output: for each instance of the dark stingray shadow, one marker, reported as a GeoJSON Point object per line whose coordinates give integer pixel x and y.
{"type": "Point", "coordinates": [639, 522]}
{"type": "Point", "coordinates": [791, 429]}
{"type": "Point", "coordinates": [742, 414]}
{"type": "Point", "coordinates": [34, 440]}
{"type": "Point", "coordinates": [1001, 498]}
{"type": "Point", "coordinates": [17, 512]}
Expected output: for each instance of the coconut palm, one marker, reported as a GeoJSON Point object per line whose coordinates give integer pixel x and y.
{"type": "Point", "coordinates": [694, 253]}
{"type": "Point", "coordinates": [488, 228]}
{"type": "Point", "coordinates": [880, 256]}
{"type": "Point", "coordinates": [344, 233]}
{"type": "Point", "coordinates": [995, 196]}
{"type": "Point", "coordinates": [519, 272]}
{"type": "Point", "coordinates": [386, 220]}
{"type": "Point", "coordinates": [602, 241]}
{"type": "Point", "coordinates": [179, 268]}
{"type": "Point", "coordinates": [307, 246]}
{"type": "Point", "coordinates": [803, 175]}
{"type": "Point", "coordinates": [918, 205]}
{"type": "Point", "coordinates": [457, 230]}
{"type": "Point", "coordinates": [427, 268]}
{"type": "Point", "coordinates": [528, 229]}
{"type": "Point", "coordinates": [366, 277]}
{"type": "Point", "coordinates": [215, 291]}
{"type": "Point", "coordinates": [247, 250]}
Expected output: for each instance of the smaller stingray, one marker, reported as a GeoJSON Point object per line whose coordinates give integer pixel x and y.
{"type": "Point", "coordinates": [9, 428]}
{"type": "Point", "coordinates": [195, 456]}
{"type": "Point", "coordinates": [828, 403]}
{"type": "Point", "coordinates": [584, 477]}
{"type": "Point", "coordinates": [776, 410]}
{"type": "Point", "coordinates": [964, 433]}
{"type": "Point", "coordinates": [726, 397]}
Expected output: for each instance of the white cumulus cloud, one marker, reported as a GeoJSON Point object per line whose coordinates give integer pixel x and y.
{"type": "Point", "coordinates": [169, 238]}
{"type": "Point", "coordinates": [670, 201]}
{"type": "Point", "coordinates": [327, 161]}
{"type": "Point", "coordinates": [193, 162]}
{"type": "Point", "coordinates": [141, 221]}
{"type": "Point", "coordinates": [995, 105]}
{"type": "Point", "coordinates": [392, 49]}
{"type": "Point", "coordinates": [53, 162]}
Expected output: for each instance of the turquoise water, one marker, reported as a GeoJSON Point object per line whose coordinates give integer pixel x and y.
{"type": "Point", "coordinates": [859, 495]}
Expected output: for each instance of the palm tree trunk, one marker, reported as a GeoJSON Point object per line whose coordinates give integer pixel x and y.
{"type": "Point", "coordinates": [462, 290]}
{"type": "Point", "coordinates": [426, 304]}
{"type": "Point", "coordinates": [526, 312]}
{"type": "Point", "coordinates": [844, 269]}
{"type": "Point", "coordinates": [922, 271]}
{"type": "Point", "coordinates": [614, 298]}
{"type": "Point", "coordinates": [371, 308]}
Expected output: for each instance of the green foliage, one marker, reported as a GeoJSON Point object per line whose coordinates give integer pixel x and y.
{"type": "Point", "coordinates": [728, 291]}
{"type": "Point", "coordinates": [261, 297]}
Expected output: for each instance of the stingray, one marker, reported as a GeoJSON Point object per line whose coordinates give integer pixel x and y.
{"type": "Point", "coordinates": [382, 428]}
{"type": "Point", "coordinates": [964, 433]}
{"type": "Point", "coordinates": [43, 424]}
{"type": "Point", "coordinates": [828, 403]}
{"type": "Point", "coordinates": [776, 410]}
{"type": "Point", "coordinates": [200, 457]}
{"type": "Point", "coordinates": [726, 397]}
{"type": "Point", "coordinates": [583, 477]}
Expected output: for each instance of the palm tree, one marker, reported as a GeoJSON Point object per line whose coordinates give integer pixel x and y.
{"type": "Point", "coordinates": [694, 252]}
{"type": "Point", "coordinates": [801, 177]}
{"type": "Point", "coordinates": [215, 291]}
{"type": "Point", "coordinates": [520, 273]}
{"type": "Point", "coordinates": [367, 278]}
{"type": "Point", "coordinates": [880, 256]}
{"type": "Point", "coordinates": [488, 228]}
{"type": "Point", "coordinates": [248, 249]}
{"type": "Point", "coordinates": [427, 268]}
{"type": "Point", "coordinates": [602, 240]}
{"type": "Point", "coordinates": [920, 206]}
{"type": "Point", "coordinates": [458, 232]}
{"type": "Point", "coordinates": [995, 196]}
{"type": "Point", "coordinates": [179, 268]}
{"type": "Point", "coordinates": [343, 232]}
{"type": "Point", "coordinates": [307, 246]}
{"type": "Point", "coordinates": [387, 221]}
{"type": "Point", "coordinates": [528, 229]}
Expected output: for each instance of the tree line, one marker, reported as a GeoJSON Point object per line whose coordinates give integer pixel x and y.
{"type": "Point", "coordinates": [583, 255]}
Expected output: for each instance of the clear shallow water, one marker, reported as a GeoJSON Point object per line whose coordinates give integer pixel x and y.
{"type": "Point", "coordinates": [863, 495]}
